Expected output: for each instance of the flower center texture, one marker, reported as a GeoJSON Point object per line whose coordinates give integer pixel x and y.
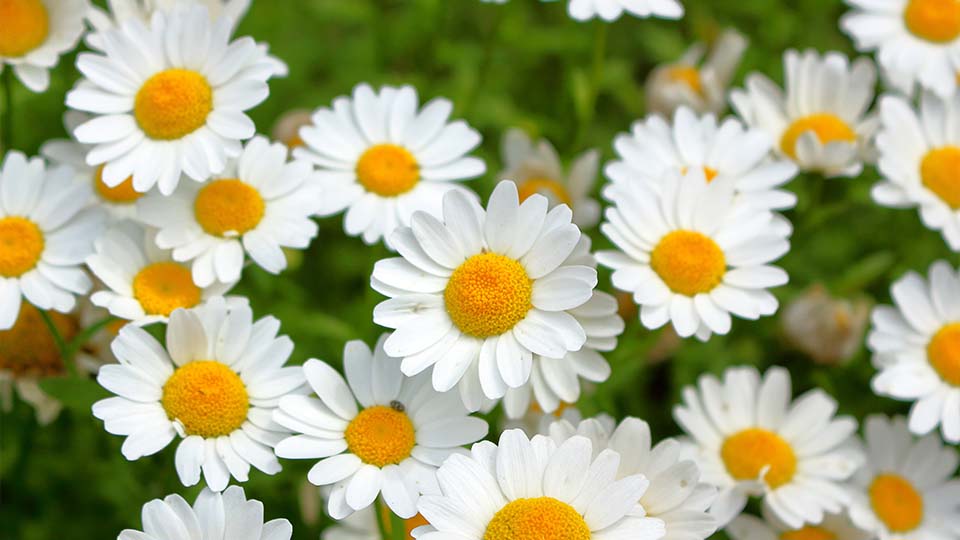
{"type": "Point", "coordinates": [933, 20]}
{"type": "Point", "coordinates": [746, 454]}
{"type": "Point", "coordinates": [940, 173]}
{"type": "Point", "coordinates": [173, 103]}
{"type": "Point", "coordinates": [381, 436]}
{"type": "Point", "coordinates": [551, 189]}
{"type": "Point", "coordinates": [388, 170]}
{"type": "Point", "coordinates": [943, 353]}
{"type": "Point", "coordinates": [810, 532]}
{"type": "Point", "coordinates": [28, 348]}
{"type": "Point", "coordinates": [122, 193]}
{"type": "Point", "coordinates": [541, 518]}
{"type": "Point", "coordinates": [163, 287]}
{"type": "Point", "coordinates": [24, 26]}
{"type": "Point", "coordinates": [827, 127]}
{"type": "Point", "coordinates": [687, 75]}
{"type": "Point", "coordinates": [207, 397]}
{"type": "Point", "coordinates": [896, 502]}
{"type": "Point", "coordinates": [228, 208]}
{"type": "Point", "coordinates": [688, 262]}
{"type": "Point", "coordinates": [488, 294]}
{"type": "Point", "coordinates": [21, 245]}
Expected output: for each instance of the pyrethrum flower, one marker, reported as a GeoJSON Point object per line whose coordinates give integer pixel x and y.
{"type": "Point", "coordinates": [381, 159]}
{"type": "Point", "coordinates": [820, 123]}
{"type": "Point", "coordinates": [257, 205]}
{"type": "Point", "coordinates": [833, 527]}
{"type": "Point", "coordinates": [214, 385]}
{"type": "Point", "coordinates": [169, 98]}
{"type": "Point", "coordinates": [33, 35]}
{"type": "Point", "coordinates": [916, 347]}
{"type": "Point", "coordinates": [375, 433]}
{"type": "Point", "coordinates": [611, 10]}
{"type": "Point", "coordinates": [749, 439]}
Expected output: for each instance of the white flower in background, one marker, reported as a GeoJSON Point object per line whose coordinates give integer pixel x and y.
{"type": "Point", "coordinates": [907, 489]}
{"type": "Point", "coordinates": [377, 432]}
{"type": "Point", "coordinates": [535, 488]}
{"type": "Point", "coordinates": [96, 351]}
{"type": "Point", "coordinates": [696, 83]}
{"type": "Point", "coordinates": [169, 98]}
{"type": "Point", "coordinates": [33, 35]}
{"type": "Point", "coordinates": [692, 255]}
{"type": "Point", "coordinates": [833, 527]}
{"type": "Point", "coordinates": [917, 41]}
{"type": "Point", "coordinates": [749, 439]}
{"type": "Point", "coordinates": [477, 295]}
{"type": "Point", "coordinates": [920, 161]}
{"type": "Point", "coordinates": [47, 229]}
{"type": "Point", "coordinates": [821, 121]}
{"type": "Point", "coordinates": [537, 169]}
{"type": "Point", "coordinates": [538, 422]}
{"type": "Point", "coordinates": [259, 204]}
{"type": "Point", "coordinates": [214, 516]}
{"type": "Point", "coordinates": [828, 329]}
{"type": "Point", "coordinates": [916, 348]}
{"type": "Point", "coordinates": [611, 10]}
{"type": "Point", "coordinates": [381, 158]}
{"type": "Point", "coordinates": [214, 385]}
{"type": "Point", "coordinates": [287, 127]}
{"type": "Point", "coordinates": [362, 525]}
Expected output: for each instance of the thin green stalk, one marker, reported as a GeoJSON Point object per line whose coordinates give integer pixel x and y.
{"type": "Point", "coordinates": [62, 346]}
{"type": "Point", "coordinates": [6, 130]}
{"type": "Point", "coordinates": [87, 334]}
{"type": "Point", "coordinates": [383, 518]}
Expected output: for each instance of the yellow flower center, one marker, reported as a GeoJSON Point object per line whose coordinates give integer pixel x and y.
{"type": "Point", "coordinates": [488, 294]}
{"type": "Point", "coordinates": [122, 193]}
{"type": "Point", "coordinates": [551, 189]}
{"type": "Point", "coordinates": [388, 170]}
{"type": "Point", "coordinates": [827, 127]}
{"type": "Point", "coordinates": [228, 208]}
{"type": "Point", "coordinates": [688, 75]}
{"type": "Point", "coordinates": [24, 26]}
{"type": "Point", "coordinates": [381, 435]}
{"type": "Point", "coordinates": [173, 103]}
{"type": "Point", "coordinates": [943, 353]}
{"type": "Point", "coordinates": [163, 287]}
{"type": "Point", "coordinates": [541, 518]}
{"type": "Point", "coordinates": [809, 532]}
{"type": "Point", "coordinates": [940, 173]}
{"type": "Point", "coordinates": [933, 20]}
{"type": "Point", "coordinates": [748, 453]}
{"type": "Point", "coordinates": [688, 262]}
{"type": "Point", "coordinates": [28, 348]}
{"type": "Point", "coordinates": [21, 245]}
{"type": "Point", "coordinates": [207, 397]}
{"type": "Point", "coordinates": [896, 502]}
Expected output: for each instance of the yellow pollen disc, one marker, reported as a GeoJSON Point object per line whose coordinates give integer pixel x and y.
{"type": "Point", "coordinates": [940, 173]}
{"type": "Point", "coordinates": [549, 188]}
{"type": "Point", "coordinates": [687, 75]}
{"type": "Point", "coordinates": [28, 347]}
{"type": "Point", "coordinates": [827, 127]}
{"type": "Point", "coordinates": [388, 170]}
{"type": "Point", "coordinates": [173, 103]}
{"type": "Point", "coordinates": [688, 262]}
{"type": "Point", "coordinates": [488, 294]}
{"type": "Point", "coordinates": [122, 193]}
{"type": "Point", "coordinates": [207, 397]}
{"type": "Point", "coordinates": [943, 353]}
{"type": "Point", "coordinates": [163, 287]}
{"type": "Point", "coordinates": [24, 26]}
{"type": "Point", "coordinates": [896, 502]}
{"type": "Point", "coordinates": [809, 532]}
{"type": "Point", "coordinates": [381, 436]}
{"type": "Point", "coordinates": [21, 245]}
{"type": "Point", "coordinates": [747, 453]}
{"type": "Point", "coordinates": [228, 208]}
{"type": "Point", "coordinates": [933, 20]}
{"type": "Point", "coordinates": [541, 518]}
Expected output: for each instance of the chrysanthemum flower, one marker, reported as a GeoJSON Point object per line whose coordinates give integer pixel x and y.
{"type": "Point", "coordinates": [833, 527]}
{"type": "Point", "coordinates": [611, 10]}
{"type": "Point", "coordinates": [33, 35]}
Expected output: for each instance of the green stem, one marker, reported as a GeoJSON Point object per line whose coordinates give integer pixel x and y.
{"type": "Point", "coordinates": [398, 527]}
{"type": "Point", "coordinates": [62, 347]}
{"type": "Point", "coordinates": [6, 131]}
{"type": "Point", "coordinates": [383, 518]}
{"type": "Point", "coordinates": [87, 334]}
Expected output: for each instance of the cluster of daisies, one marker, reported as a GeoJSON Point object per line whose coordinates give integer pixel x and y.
{"type": "Point", "coordinates": [138, 226]}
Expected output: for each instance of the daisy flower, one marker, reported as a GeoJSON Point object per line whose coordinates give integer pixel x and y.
{"type": "Point", "coordinates": [535, 488]}
{"type": "Point", "coordinates": [477, 295]}
{"type": "Point", "coordinates": [833, 527]}
{"type": "Point", "coordinates": [916, 348]}
{"type": "Point", "coordinates": [374, 433]}
{"type": "Point", "coordinates": [144, 284]}
{"type": "Point", "coordinates": [259, 204]}
{"type": "Point", "coordinates": [691, 254]}
{"type": "Point", "coordinates": [748, 439]}
{"type": "Point", "coordinates": [907, 489]}
{"type": "Point", "coordinates": [215, 386]}
{"type": "Point", "coordinates": [381, 158]}
{"type": "Point", "coordinates": [46, 231]}
{"type": "Point", "coordinates": [920, 161]}
{"type": "Point", "coordinates": [611, 10]}
{"type": "Point", "coordinates": [168, 98]}
{"type": "Point", "coordinates": [33, 35]}
{"type": "Point", "coordinates": [214, 516]}
{"type": "Point", "coordinates": [537, 169]}
{"type": "Point", "coordinates": [821, 122]}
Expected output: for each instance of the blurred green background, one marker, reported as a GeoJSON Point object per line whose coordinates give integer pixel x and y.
{"type": "Point", "coordinates": [522, 64]}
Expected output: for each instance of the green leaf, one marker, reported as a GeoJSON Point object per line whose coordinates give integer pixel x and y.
{"type": "Point", "coordinates": [78, 394]}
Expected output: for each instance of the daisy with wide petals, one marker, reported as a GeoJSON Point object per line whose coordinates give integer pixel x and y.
{"type": "Point", "coordinates": [33, 35]}
{"type": "Point", "coordinates": [833, 527]}
{"type": "Point", "coordinates": [611, 10]}
{"type": "Point", "coordinates": [821, 122]}
{"type": "Point", "coordinates": [168, 98]}
{"type": "Point", "coordinates": [748, 439]}
{"type": "Point", "coordinates": [375, 433]}
{"type": "Point", "coordinates": [214, 385]}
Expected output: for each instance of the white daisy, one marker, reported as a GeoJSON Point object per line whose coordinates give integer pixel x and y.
{"type": "Point", "coordinates": [536, 489]}
{"type": "Point", "coordinates": [748, 439]}
{"type": "Point", "coordinates": [821, 122]}
{"type": "Point", "coordinates": [611, 10]}
{"type": "Point", "coordinates": [391, 444]}
{"type": "Point", "coordinates": [920, 161]}
{"type": "Point", "coordinates": [215, 385]}
{"type": "Point", "coordinates": [916, 348]}
{"type": "Point", "coordinates": [168, 98]}
{"type": "Point", "coordinates": [259, 204]}
{"type": "Point", "coordinates": [691, 254]}
{"type": "Point", "coordinates": [214, 516]}
{"type": "Point", "coordinates": [381, 159]}
{"type": "Point", "coordinates": [477, 295]}
{"type": "Point", "coordinates": [833, 527]}
{"type": "Point", "coordinates": [33, 35]}
{"type": "Point", "coordinates": [46, 231]}
{"type": "Point", "coordinates": [907, 489]}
